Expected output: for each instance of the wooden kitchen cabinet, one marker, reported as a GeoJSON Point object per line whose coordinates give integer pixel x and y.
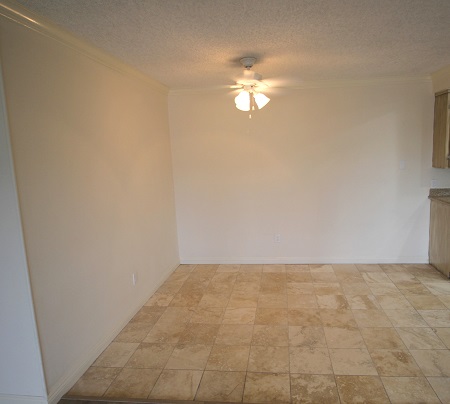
{"type": "Point", "coordinates": [441, 138]}
{"type": "Point", "coordinates": [439, 250]}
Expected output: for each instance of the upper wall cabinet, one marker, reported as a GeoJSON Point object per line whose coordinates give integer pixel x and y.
{"type": "Point", "coordinates": [441, 144]}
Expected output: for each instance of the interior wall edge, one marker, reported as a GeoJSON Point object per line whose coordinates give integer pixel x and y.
{"type": "Point", "coordinates": [441, 79]}
{"type": "Point", "coordinates": [305, 260]}
{"type": "Point", "coordinates": [76, 371]}
{"type": "Point", "coordinates": [21, 15]}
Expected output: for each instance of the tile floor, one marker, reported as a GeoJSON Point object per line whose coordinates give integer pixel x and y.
{"type": "Point", "coordinates": [284, 333]}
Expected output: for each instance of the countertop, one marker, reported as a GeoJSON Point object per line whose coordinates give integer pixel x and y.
{"type": "Point", "coordinates": [440, 195]}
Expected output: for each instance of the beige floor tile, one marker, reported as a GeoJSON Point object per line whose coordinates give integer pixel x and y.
{"type": "Point", "coordinates": [133, 383]}
{"type": "Point", "coordinates": [189, 357]}
{"type": "Point", "coordinates": [337, 318]}
{"type": "Point", "coordinates": [413, 289]}
{"type": "Point", "coordinates": [405, 318]}
{"type": "Point", "coordinates": [273, 287]}
{"type": "Point", "coordinates": [239, 315]}
{"type": "Point", "coordinates": [361, 389]}
{"type": "Point", "coordinates": [224, 278]}
{"type": "Point", "coordinates": [253, 277]}
{"type": "Point", "coordinates": [337, 337]}
{"type": "Point", "coordinates": [271, 316]}
{"type": "Point", "coordinates": [337, 302]}
{"type": "Point", "coordinates": [304, 317]}
{"type": "Point", "coordinates": [273, 277]}
{"type": "Point", "coordinates": [352, 289]}
{"type": "Point", "coordinates": [376, 277]}
{"type": "Point", "coordinates": [116, 354]}
{"type": "Point", "coordinates": [300, 288]}
{"type": "Point", "coordinates": [134, 332]}
{"type": "Point", "coordinates": [394, 363]}
{"type": "Point", "coordinates": [402, 277]}
{"type": "Point", "coordinates": [384, 289]}
{"type": "Point", "coordinates": [177, 384]}
{"type": "Point", "coordinates": [425, 302]}
{"type": "Point", "coordinates": [186, 299]}
{"type": "Point", "coordinates": [371, 318]}
{"type": "Point", "coordinates": [302, 301]}
{"type": "Point", "coordinates": [243, 299]}
{"type": "Point", "coordinates": [148, 314]}
{"type": "Point", "coordinates": [251, 268]}
{"type": "Point", "coordinates": [433, 362]}
{"type": "Point", "coordinates": [272, 335]}
{"type": "Point", "coordinates": [267, 388]}
{"type": "Point", "coordinates": [204, 334]}
{"type": "Point", "coordinates": [411, 390]}
{"type": "Point", "coordinates": [369, 268]}
{"type": "Point", "coordinates": [438, 288]}
{"type": "Point", "coordinates": [228, 358]}
{"type": "Point", "coordinates": [345, 268]}
{"type": "Point", "coordinates": [314, 268]}
{"type": "Point", "coordinates": [234, 334]}
{"type": "Point", "coordinates": [445, 299]}
{"type": "Point", "coordinates": [312, 336]}
{"type": "Point", "coordinates": [207, 315]}
{"type": "Point", "coordinates": [247, 287]}
{"type": "Point", "coordinates": [221, 387]}
{"type": "Point", "coordinates": [352, 362]}
{"type": "Point", "coordinates": [363, 302]}
{"type": "Point", "coordinates": [324, 277]}
{"type": "Point", "coordinates": [332, 288]}
{"type": "Point", "coordinates": [215, 299]}
{"type": "Point", "coordinates": [298, 277]}
{"type": "Point", "coordinates": [349, 277]}
{"type": "Point", "coordinates": [272, 300]}
{"type": "Point", "coordinates": [420, 338]}
{"type": "Point", "coordinates": [205, 268]}
{"type": "Point", "coordinates": [160, 299]}
{"type": "Point", "coordinates": [441, 386]}
{"type": "Point", "coordinates": [176, 315]}
{"type": "Point", "coordinates": [229, 268]}
{"type": "Point", "coordinates": [165, 333]}
{"type": "Point", "coordinates": [297, 268]}
{"type": "Point", "coordinates": [394, 302]}
{"type": "Point", "coordinates": [382, 338]}
{"type": "Point", "coordinates": [170, 287]}
{"type": "Point", "coordinates": [444, 335]}
{"type": "Point", "coordinates": [268, 359]}
{"type": "Point", "coordinates": [310, 360]}
{"type": "Point", "coordinates": [274, 268]}
{"type": "Point", "coordinates": [94, 382]}
{"type": "Point", "coordinates": [313, 389]}
{"type": "Point", "coordinates": [151, 356]}
{"type": "Point", "coordinates": [436, 318]}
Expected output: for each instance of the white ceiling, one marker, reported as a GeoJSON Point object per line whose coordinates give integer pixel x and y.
{"type": "Point", "coordinates": [198, 43]}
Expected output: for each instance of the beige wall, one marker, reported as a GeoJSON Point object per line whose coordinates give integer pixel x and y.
{"type": "Point", "coordinates": [321, 167]}
{"type": "Point", "coordinates": [93, 167]}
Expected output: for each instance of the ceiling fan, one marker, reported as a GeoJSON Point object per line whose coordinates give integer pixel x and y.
{"type": "Point", "coordinates": [251, 85]}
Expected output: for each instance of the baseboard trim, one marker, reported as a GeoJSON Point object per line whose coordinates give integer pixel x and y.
{"type": "Point", "coordinates": [13, 399]}
{"type": "Point", "coordinates": [77, 370]}
{"type": "Point", "coordinates": [305, 260]}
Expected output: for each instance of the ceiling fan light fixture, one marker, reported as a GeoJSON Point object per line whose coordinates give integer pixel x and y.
{"type": "Point", "coordinates": [261, 100]}
{"type": "Point", "coordinates": [242, 101]}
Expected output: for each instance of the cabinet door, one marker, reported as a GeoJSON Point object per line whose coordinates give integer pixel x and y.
{"type": "Point", "coordinates": [439, 250]}
{"type": "Point", "coordinates": [441, 144]}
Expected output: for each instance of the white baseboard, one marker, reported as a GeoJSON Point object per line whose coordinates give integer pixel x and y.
{"type": "Point", "coordinates": [77, 370]}
{"type": "Point", "coordinates": [305, 260]}
{"type": "Point", "coordinates": [12, 399]}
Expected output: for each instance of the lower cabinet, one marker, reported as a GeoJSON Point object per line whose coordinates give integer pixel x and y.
{"type": "Point", "coordinates": [439, 250]}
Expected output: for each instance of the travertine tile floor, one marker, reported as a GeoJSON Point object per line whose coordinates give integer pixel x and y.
{"type": "Point", "coordinates": [284, 333]}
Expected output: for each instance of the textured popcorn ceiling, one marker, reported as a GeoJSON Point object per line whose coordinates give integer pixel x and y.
{"type": "Point", "coordinates": [197, 43]}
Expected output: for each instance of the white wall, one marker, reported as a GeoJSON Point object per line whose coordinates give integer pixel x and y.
{"type": "Point", "coordinates": [20, 365]}
{"type": "Point", "coordinates": [321, 167]}
{"type": "Point", "coordinates": [93, 167]}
